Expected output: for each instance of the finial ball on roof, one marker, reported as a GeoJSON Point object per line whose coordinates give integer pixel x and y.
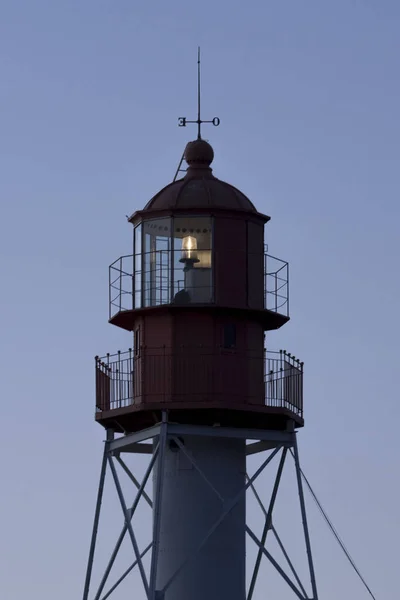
{"type": "Point", "coordinates": [199, 153]}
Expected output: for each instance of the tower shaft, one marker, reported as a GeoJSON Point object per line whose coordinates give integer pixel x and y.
{"type": "Point", "coordinates": [191, 504]}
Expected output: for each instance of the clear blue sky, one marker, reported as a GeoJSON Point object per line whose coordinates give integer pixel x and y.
{"type": "Point", "coordinates": [308, 94]}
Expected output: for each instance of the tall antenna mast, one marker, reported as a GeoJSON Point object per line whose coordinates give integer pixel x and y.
{"type": "Point", "coordinates": [183, 121]}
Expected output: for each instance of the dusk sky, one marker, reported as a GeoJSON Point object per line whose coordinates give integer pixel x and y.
{"type": "Point", "coordinates": [308, 94]}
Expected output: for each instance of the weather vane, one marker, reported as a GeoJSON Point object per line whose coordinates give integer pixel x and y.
{"type": "Point", "coordinates": [183, 121]}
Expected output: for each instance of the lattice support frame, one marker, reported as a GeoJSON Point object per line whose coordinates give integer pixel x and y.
{"type": "Point", "coordinates": [153, 442]}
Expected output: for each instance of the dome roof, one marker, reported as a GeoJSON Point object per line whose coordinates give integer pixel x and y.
{"type": "Point", "coordinates": [199, 188]}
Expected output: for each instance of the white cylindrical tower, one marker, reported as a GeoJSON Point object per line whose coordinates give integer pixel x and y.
{"type": "Point", "coordinates": [194, 491]}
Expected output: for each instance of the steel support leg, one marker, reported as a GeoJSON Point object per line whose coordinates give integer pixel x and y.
{"type": "Point", "coordinates": [304, 518]}
{"type": "Point", "coordinates": [96, 517]}
{"type": "Point", "coordinates": [267, 525]}
{"type": "Point", "coordinates": [125, 527]}
{"type": "Point", "coordinates": [157, 506]}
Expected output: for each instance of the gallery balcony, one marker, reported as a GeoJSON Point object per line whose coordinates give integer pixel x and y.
{"type": "Point", "coordinates": [198, 384]}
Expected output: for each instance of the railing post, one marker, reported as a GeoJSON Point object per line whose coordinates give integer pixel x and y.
{"type": "Point", "coordinates": [287, 289]}
{"type": "Point", "coordinates": [109, 292]}
{"type": "Point", "coordinates": [120, 282]}
{"type": "Point", "coordinates": [133, 282]}
{"type": "Point", "coordinates": [96, 362]}
{"type": "Point", "coordinates": [265, 283]}
{"type": "Point", "coordinates": [119, 395]}
{"type": "Point", "coordinates": [131, 384]}
{"type": "Point", "coordinates": [301, 389]}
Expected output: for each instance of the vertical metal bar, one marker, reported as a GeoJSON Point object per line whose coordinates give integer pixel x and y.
{"type": "Point", "coordinates": [165, 371]}
{"type": "Point", "coordinates": [131, 378]}
{"type": "Point", "coordinates": [157, 505]}
{"type": "Point", "coordinates": [96, 516]}
{"type": "Point", "coordinates": [304, 517]}
{"type": "Point", "coordinates": [265, 281]}
{"type": "Point", "coordinates": [302, 400]}
{"type": "Point", "coordinates": [120, 283]}
{"type": "Point", "coordinates": [134, 269]}
{"type": "Point", "coordinates": [142, 265]}
{"type": "Point", "coordinates": [133, 282]}
{"type": "Point", "coordinates": [97, 382]}
{"type": "Point", "coordinates": [267, 524]}
{"type": "Point", "coordinates": [109, 292]}
{"type": "Point", "coordinates": [153, 270]}
{"type": "Point", "coordinates": [213, 254]}
{"type": "Point", "coordinates": [285, 554]}
{"type": "Point", "coordinates": [159, 264]}
{"type": "Point", "coordinates": [119, 384]}
{"type": "Point", "coordinates": [172, 260]}
{"type": "Point", "coordinates": [129, 525]}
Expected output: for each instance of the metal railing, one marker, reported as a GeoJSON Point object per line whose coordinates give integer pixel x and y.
{"type": "Point", "coordinates": [159, 277]}
{"type": "Point", "coordinates": [276, 285]}
{"type": "Point", "coordinates": [284, 381]}
{"type": "Point", "coordinates": [117, 384]}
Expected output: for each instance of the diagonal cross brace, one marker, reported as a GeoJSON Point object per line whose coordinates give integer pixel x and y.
{"type": "Point", "coordinates": [275, 564]}
{"type": "Point", "coordinates": [285, 554]}
{"type": "Point", "coordinates": [133, 479]}
{"type": "Point", "coordinates": [128, 516]}
{"type": "Point", "coordinates": [195, 465]}
{"type": "Point", "coordinates": [126, 573]}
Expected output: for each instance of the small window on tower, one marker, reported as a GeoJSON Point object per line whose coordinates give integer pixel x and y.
{"type": "Point", "coordinates": [230, 336]}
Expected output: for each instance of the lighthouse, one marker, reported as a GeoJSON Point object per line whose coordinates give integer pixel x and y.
{"type": "Point", "coordinates": [199, 391]}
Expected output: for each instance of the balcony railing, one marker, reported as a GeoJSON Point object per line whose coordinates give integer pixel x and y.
{"type": "Point", "coordinates": [159, 277]}
{"type": "Point", "coordinates": [117, 376]}
{"type": "Point", "coordinates": [276, 285]}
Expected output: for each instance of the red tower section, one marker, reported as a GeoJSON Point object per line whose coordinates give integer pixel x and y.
{"type": "Point", "coordinates": [198, 294]}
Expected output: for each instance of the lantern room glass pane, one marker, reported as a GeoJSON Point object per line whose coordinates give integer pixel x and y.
{"type": "Point", "coordinates": [156, 262]}
{"type": "Point", "coordinates": [138, 265]}
{"type": "Point", "coordinates": [173, 261]}
{"type": "Point", "coordinates": [192, 260]}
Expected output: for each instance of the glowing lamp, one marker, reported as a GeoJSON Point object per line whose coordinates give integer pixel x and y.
{"type": "Point", "coordinates": [189, 250]}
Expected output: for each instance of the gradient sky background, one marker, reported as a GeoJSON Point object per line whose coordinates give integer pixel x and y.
{"type": "Point", "coordinates": [308, 94]}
